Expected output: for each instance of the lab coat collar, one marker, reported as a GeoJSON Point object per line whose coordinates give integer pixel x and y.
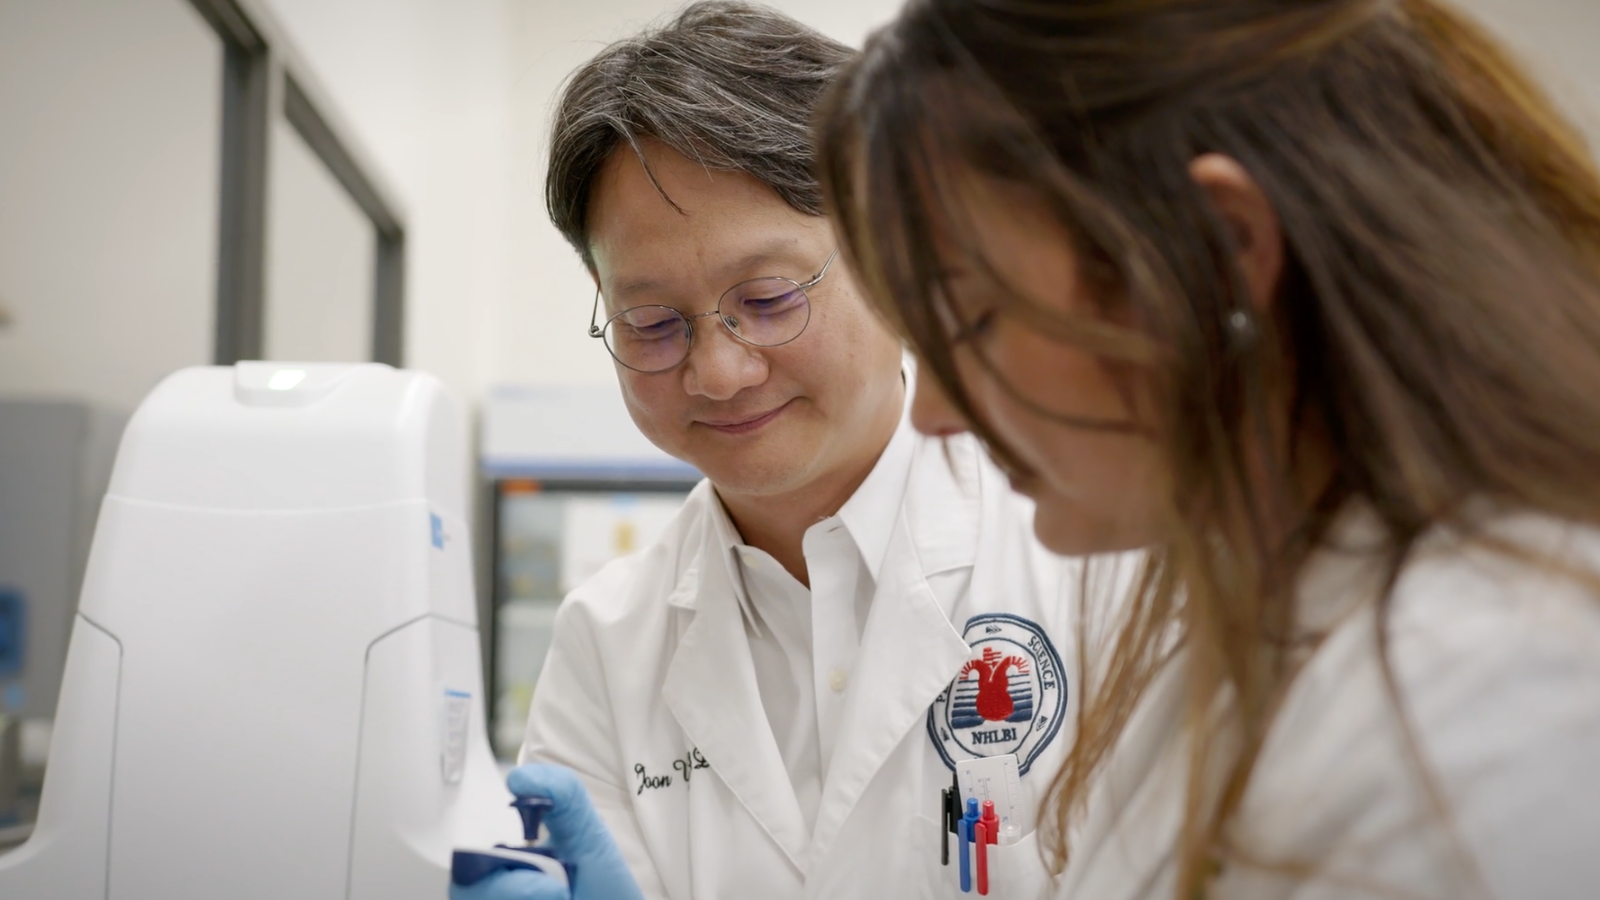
{"type": "Point", "coordinates": [724, 548]}
{"type": "Point", "coordinates": [710, 687]}
{"type": "Point", "coordinates": [910, 650]}
{"type": "Point", "coordinates": [871, 512]}
{"type": "Point", "coordinates": [1346, 571]}
{"type": "Point", "coordinates": [691, 556]}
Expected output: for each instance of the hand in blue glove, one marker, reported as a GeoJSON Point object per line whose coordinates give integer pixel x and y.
{"type": "Point", "coordinates": [577, 835]}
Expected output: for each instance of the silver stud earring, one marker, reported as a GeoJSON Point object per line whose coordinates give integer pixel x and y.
{"type": "Point", "coordinates": [1242, 329]}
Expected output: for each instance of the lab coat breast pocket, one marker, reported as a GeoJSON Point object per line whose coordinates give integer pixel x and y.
{"type": "Point", "coordinates": [1016, 872]}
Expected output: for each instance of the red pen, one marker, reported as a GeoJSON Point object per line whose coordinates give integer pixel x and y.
{"type": "Point", "coordinates": [980, 838]}
{"type": "Point", "coordinates": [984, 833]}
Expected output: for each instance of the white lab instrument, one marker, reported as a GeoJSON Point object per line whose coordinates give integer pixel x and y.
{"type": "Point", "coordinates": [273, 687]}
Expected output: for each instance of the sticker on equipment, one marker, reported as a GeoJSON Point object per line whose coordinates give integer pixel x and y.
{"type": "Point", "coordinates": [455, 715]}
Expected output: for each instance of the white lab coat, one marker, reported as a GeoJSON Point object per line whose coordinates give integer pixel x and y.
{"type": "Point", "coordinates": [649, 693]}
{"type": "Point", "coordinates": [1497, 664]}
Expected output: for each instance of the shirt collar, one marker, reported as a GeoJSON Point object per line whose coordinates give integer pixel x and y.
{"type": "Point", "coordinates": [871, 512]}
{"type": "Point", "coordinates": [727, 543]}
{"type": "Point", "coordinates": [869, 515]}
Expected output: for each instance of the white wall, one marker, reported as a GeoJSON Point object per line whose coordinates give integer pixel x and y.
{"type": "Point", "coordinates": [1559, 40]}
{"type": "Point", "coordinates": [321, 259]}
{"type": "Point", "coordinates": [110, 122]}
{"type": "Point", "coordinates": [424, 85]}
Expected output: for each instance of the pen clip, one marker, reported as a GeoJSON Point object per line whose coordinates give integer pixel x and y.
{"type": "Point", "coordinates": [966, 857]}
{"type": "Point", "coordinates": [946, 826]}
{"type": "Point", "coordinates": [952, 807]}
{"type": "Point", "coordinates": [980, 840]}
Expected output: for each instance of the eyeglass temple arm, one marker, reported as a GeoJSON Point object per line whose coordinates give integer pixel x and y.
{"type": "Point", "coordinates": [594, 317]}
{"type": "Point", "coordinates": [813, 282]}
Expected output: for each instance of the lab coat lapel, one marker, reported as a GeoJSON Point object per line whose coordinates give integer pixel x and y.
{"type": "Point", "coordinates": [909, 653]}
{"type": "Point", "coordinates": [711, 689]}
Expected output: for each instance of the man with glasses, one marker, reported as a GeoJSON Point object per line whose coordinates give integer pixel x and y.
{"type": "Point", "coordinates": [772, 701]}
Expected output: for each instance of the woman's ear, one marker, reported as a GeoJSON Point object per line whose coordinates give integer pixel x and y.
{"type": "Point", "coordinates": [1245, 209]}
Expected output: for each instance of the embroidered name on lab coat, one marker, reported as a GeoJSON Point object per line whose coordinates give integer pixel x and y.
{"type": "Point", "coordinates": [1010, 697]}
{"type": "Point", "coordinates": [685, 766]}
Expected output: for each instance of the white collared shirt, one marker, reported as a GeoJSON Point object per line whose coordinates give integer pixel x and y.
{"type": "Point", "coordinates": [804, 642]}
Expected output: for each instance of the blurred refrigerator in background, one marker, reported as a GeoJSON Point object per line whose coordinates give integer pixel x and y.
{"type": "Point", "coordinates": [574, 486]}
{"type": "Point", "coordinates": [55, 463]}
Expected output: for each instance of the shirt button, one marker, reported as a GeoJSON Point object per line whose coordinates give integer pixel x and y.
{"type": "Point", "coordinates": [838, 679]}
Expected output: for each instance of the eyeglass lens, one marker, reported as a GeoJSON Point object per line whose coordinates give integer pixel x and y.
{"type": "Point", "coordinates": [765, 312]}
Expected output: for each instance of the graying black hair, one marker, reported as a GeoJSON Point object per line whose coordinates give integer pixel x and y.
{"type": "Point", "coordinates": [730, 85]}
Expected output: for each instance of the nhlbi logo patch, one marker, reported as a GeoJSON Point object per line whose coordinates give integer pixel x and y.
{"type": "Point", "coordinates": [1010, 697]}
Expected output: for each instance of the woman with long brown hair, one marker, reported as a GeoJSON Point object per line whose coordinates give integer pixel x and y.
{"type": "Point", "coordinates": [1304, 297]}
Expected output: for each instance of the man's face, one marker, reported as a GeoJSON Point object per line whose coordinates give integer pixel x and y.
{"type": "Point", "coordinates": [758, 421]}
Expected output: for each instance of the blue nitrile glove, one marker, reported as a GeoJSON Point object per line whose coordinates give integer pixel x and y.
{"type": "Point", "coordinates": [577, 835]}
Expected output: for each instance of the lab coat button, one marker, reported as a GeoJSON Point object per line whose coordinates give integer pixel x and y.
{"type": "Point", "coordinates": [837, 679]}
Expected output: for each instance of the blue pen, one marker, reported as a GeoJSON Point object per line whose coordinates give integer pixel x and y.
{"type": "Point", "coordinates": [967, 821]}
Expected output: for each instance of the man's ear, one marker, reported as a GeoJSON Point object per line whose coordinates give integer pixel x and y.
{"type": "Point", "coordinates": [1250, 217]}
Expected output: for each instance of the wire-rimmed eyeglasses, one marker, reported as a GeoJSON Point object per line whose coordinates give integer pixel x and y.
{"type": "Point", "coordinates": [762, 312]}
